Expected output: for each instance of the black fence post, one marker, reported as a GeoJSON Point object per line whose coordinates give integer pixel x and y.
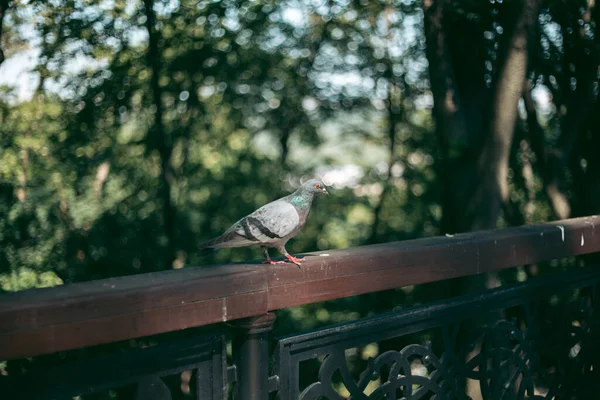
{"type": "Point", "coordinates": [251, 355]}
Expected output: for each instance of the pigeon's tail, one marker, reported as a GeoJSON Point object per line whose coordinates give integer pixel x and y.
{"type": "Point", "coordinates": [212, 243]}
{"type": "Point", "coordinates": [209, 246]}
{"type": "Point", "coordinates": [204, 251]}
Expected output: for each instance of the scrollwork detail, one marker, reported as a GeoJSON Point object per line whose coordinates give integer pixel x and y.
{"type": "Point", "coordinates": [538, 349]}
{"type": "Point", "coordinates": [401, 379]}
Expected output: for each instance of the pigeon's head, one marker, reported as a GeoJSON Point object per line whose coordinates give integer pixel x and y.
{"type": "Point", "coordinates": [315, 186]}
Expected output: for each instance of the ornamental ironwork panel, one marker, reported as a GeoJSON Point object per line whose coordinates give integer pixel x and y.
{"type": "Point", "coordinates": [535, 340]}
{"type": "Point", "coordinates": [142, 373]}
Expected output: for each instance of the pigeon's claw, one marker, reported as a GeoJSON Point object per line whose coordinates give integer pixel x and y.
{"type": "Point", "coordinates": [273, 262]}
{"type": "Point", "coordinates": [295, 260]}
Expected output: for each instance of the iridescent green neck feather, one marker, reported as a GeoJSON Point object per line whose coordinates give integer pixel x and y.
{"type": "Point", "coordinates": [302, 200]}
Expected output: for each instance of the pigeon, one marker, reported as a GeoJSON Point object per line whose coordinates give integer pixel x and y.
{"type": "Point", "coordinates": [272, 225]}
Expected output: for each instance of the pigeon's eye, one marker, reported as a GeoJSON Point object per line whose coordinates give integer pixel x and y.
{"type": "Point", "coordinates": [318, 186]}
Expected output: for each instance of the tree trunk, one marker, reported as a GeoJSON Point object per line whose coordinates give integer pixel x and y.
{"type": "Point", "coordinates": [475, 153]}
{"type": "Point", "coordinates": [455, 111]}
{"type": "Point", "coordinates": [158, 138]}
{"type": "Point", "coordinates": [492, 188]}
{"type": "Point", "coordinates": [3, 9]}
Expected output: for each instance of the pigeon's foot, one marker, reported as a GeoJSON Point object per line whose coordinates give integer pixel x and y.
{"type": "Point", "coordinates": [295, 260]}
{"type": "Point", "coordinates": [273, 262]}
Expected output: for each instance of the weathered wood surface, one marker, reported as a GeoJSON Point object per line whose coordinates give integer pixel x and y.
{"type": "Point", "coordinates": [44, 321]}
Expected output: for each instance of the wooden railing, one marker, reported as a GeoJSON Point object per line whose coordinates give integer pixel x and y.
{"type": "Point", "coordinates": [43, 321]}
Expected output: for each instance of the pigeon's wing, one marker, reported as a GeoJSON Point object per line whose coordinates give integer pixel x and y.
{"type": "Point", "coordinates": [272, 222]}
{"type": "Point", "coordinates": [268, 224]}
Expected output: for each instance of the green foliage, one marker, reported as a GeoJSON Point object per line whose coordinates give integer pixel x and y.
{"type": "Point", "coordinates": [245, 113]}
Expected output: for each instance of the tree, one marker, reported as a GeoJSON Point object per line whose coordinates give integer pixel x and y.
{"type": "Point", "coordinates": [3, 8]}
{"type": "Point", "coordinates": [476, 95]}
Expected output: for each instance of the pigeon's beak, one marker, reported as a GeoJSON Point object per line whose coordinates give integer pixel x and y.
{"type": "Point", "coordinates": [324, 191]}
